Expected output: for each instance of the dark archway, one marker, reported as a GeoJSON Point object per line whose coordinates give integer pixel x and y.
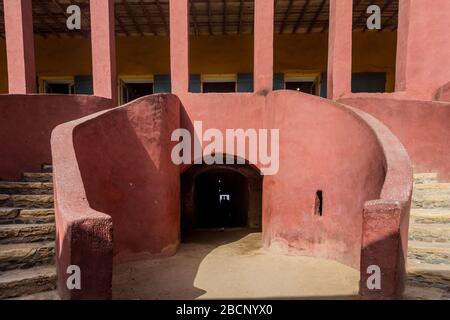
{"type": "Point", "coordinates": [221, 196]}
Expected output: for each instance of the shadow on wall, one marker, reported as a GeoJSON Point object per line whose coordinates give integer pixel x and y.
{"type": "Point", "coordinates": [443, 94]}
{"type": "Point", "coordinates": [131, 173]}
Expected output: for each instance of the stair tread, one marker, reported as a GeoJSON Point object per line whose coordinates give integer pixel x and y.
{"type": "Point", "coordinates": [5, 249]}
{"type": "Point", "coordinates": [434, 185]}
{"type": "Point", "coordinates": [24, 184]}
{"type": "Point", "coordinates": [46, 295]}
{"type": "Point", "coordinates": [25, 226]}
{"type": "Point", "coordinates": [17, 275]}
{"type": "Point", "coordinates": [37, 177]}
{"type": "Point", "coordinates": [438, 246]}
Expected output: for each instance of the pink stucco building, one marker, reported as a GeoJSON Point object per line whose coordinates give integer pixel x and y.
{"type": "Point", "coordinates": [119, 197]}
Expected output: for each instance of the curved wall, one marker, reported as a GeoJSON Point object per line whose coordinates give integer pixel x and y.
{"type": "Point", "coordinates": [117, 164]}
{"type": "Point", "coordinates": [325, 147]}
{"type": "Point", "coordinates": [133, 178]}
{"type": "Point", "coordinates": [26, 123]}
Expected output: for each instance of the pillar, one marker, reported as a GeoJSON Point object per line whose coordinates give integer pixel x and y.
{"type": "Point", "coordinates": [20, 46]}
{"type": "Point", "coordinates": [423, 47]}
{"type": "Point", "coordinates": [263, 46]}
{"type": "Point", "coordinates": [179, 45]}
{"type": "Point", "coordinates": [103, 37]}
{"type": "Point", "coordinates": [340, 49]}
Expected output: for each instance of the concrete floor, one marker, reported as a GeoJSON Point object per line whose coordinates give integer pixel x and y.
{"type": "Point", "coordinates": [232, 265]}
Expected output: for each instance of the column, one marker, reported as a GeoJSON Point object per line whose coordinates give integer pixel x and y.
{"type": "Point", "coordinates": [20, 46]}
{"type": "Point", "coordinates": [179, 45]}
{"type": "Point", "coordinates": [263, 46]}
{"type": "Point", "coordinates": [103, 37]}
{"type": "Point", "coordinates": [340, 49]}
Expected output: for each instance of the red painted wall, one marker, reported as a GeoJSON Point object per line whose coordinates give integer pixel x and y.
{"type": "Point", "coordinates": [117, 164]}
{"type": "Point", "coordinates": [422, 127]}
{"type": "Point", "coordinates": [26, 123]}
{"type": "Point", "coordinates": [133, 178]}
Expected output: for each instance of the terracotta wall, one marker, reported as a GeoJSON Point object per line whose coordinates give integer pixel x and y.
{"type": "Point", "coordinates": [422, 127]}
{"type": "Point", "coordinates": [133, 178]}
{"type": "Point", "coordinates": [117, 164]}
{"type": "Point", "coordinates": [423, 47]}
{"type": "Point", "coordinates": [26, 123]}
{"type": "Point", "coordinates": [323, 147]}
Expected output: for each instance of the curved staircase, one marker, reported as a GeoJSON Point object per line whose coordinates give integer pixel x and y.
{"type": "Point", "coordinates": [27, 234]}
{"type": "Point", "coordinates": [429, 240]}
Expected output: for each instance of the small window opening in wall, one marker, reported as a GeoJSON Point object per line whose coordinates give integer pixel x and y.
{"type": "Point", "coordinates": [318, 210]}
{"type": "Point", "coordinates": [219, 83]}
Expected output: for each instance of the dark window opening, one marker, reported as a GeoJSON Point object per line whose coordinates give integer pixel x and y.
{"type": "Point", "coordinates": [302, 86]}
{"type": "Point", "coordinates": [318, 209]}
{"type": "Point", "coordinates": [133, 91]}
{"type": "Point", "coordinates": [219, 87]}
{"type": "Point", "coordinates": [369, 82]}
{"type": "Point", "coordinates": [59, 88]}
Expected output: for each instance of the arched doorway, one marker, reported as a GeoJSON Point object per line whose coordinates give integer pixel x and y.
{"type": "Point", "coordinates": [221, 196]}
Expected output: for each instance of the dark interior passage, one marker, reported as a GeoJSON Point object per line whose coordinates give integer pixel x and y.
{"type": "Point", "coordinates": [221, 199]}
{"type": "Point", "coordinates": [221, 196]}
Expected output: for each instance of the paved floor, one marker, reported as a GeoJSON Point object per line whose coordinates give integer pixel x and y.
{"type": "Point", "coordinates": [232, 264]}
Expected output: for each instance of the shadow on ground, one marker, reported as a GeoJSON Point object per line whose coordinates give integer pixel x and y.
{"type": "Point", "coordinates": [233, 265]}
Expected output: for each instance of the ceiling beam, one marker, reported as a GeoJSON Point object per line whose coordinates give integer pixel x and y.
{"type": "Point", "coordinates": [241, 10]}
{"type": "Point", "coordinates": [394, 14]}
{"type": "Point", "coordinates": [318, 12]}
{"type": "Point", "coordinates": [64, 12]}
{"type": "Point", "coordinates": [148, 17]}
{"type": "Point", "coordinates": [193, 12]}
{"type": "Point", "coordinates": [286, 15]}
{"type": "Point", "coordinates": [132, 17]}
{"type": "Point", "coordinates": [161, 14]}
{"type": "Point", "coordinates": [301, 16]}
{"type": "Point", "coordinates": [224, 25]}
{"type": "Point", "coordinates": [209, 17]}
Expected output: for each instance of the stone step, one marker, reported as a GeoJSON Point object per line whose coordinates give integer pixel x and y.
{"type": "Point", "coordinates": [16, 283]}
{"type": "Point", "coordinates": [20, 233]}
{"type": "Point", "coordinates": [26, 201]}
{"type": "Point", "coordinates": [26, 188]}
{"type": "Point", "coordinates": [37, 177]}
{"type": "Point", "coordinates": [430, 233]}
{"type": "Point", "coordinates": [431, 201]}
{"type": "Point", "coordinates": [47, 168]}
{"type": "Point", "coordinates": [430, 216]}
{"type": "Point", "coordinates": [45, 295]}
{"type": "Point", "coordinates": [420, 178]}
{"type": "Point", "coordinates": [428, 275]}
{"type": "Point", "coordinates": [429, 253]}
{"type": "Point", "coordinates": [425, 293]}
{"type": "Point", "coordinates": [431, 189]}
{"type": "Point", "coordinates": [26, 255]}
{"type": "Point", "coordinates": [28, 216]}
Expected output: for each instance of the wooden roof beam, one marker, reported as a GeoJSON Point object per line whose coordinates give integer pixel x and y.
{"type": "Point", "coordinates": [313, 22]}
{"type": "Point", "coordinates": [301, 16]}
{"type": "Point", "coordinates": [132, 17]}
{"type": "Point", "coordinates": [286, 15]}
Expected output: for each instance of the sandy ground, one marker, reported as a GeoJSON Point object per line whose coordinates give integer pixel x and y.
{"type": "Point", "coordinates": [232, 265]}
